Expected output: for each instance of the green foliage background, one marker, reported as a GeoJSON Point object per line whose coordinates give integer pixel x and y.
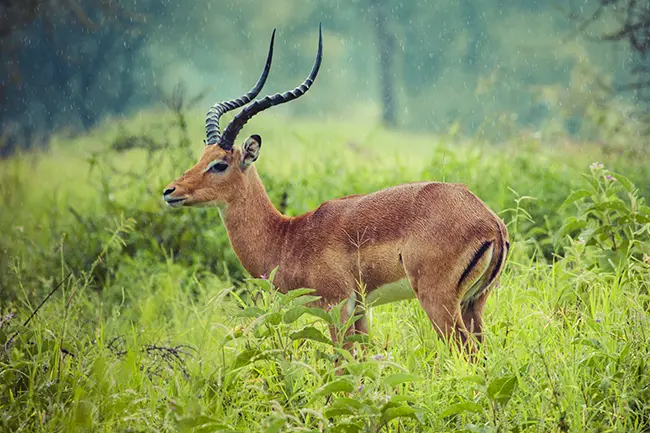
{"type": "Point", "coordinates": [477, 62]}
{"type": "Point", "coordinates": [120, 314]}
{"type": "Point", "coordinates": [152, 325]}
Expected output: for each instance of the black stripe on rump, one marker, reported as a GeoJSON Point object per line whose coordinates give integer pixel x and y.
{"type": "Point", "coordinates": [474, 261]}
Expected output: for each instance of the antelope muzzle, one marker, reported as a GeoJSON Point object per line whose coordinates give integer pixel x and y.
{"type": "Point", "coordinates": [170, 199]}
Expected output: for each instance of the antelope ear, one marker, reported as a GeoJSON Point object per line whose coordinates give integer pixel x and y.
{"type": "Point", "coordinates": [250, 150]}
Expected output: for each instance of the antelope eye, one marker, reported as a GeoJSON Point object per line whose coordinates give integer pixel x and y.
{"type": "Point", "coordinates": [218, 167]}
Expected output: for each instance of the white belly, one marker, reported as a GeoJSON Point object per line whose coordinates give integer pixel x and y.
{"type": "Point", "coordinates": [393, 292]}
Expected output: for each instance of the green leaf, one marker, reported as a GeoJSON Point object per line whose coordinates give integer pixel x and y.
{"type": "Point", "coordinates": [246, 357]}
{"type": "Point", "coordinates": [274, 318]}
{"type": "Point", "coordinates": [338, 411]}
{"type": "Point", "coordinates": [338, 385]}
{"type": "Point", "coordinates": [624, 353]}
{"type": "Point", "coordinates": [347, 427]}
{"type": "Point", "coordinates": [274, 424]}
{"type": "Point", "coordinates": [310, 333]}
{"type": "Point", "coordinates": [589, 342]}
{"type": "Point", "coordinates": [570, 224]}
{"type": "Point", "coordinates": [624, 181]}
{"type": "Point", "coordinates": [590, 178]}
{"type": "Point", "coordinates": [250, 312]}
{"type": "Point", "coordinates": [305, 299]}
{"type": "Point", "coordinates": [347, 402]}
{"type": "Point", "coordinates": [396, 399]}
{"type": "Point", "coordinates": [479, 380]}
{"type": "Point", "coordinates": [199, 424]}
{"type": "Point", "coordinates": [83, 413]}
{"type": "Point", "coordinates": [501, 389]}
{"type": "Point", "coordinates": [364, 369]}
{"type": "Point", "coordinates": [320, 313]}
{"type": "Point", "coordinates": [473, 428]}
{"type": "Point", "coordinates": [262, 283]}
{"type": "Point", "coordinates": [272, 274]}
{"type": "Point", "coordinates": [616, 203]}
{"type": "Point", "coordinates": [294, 314]}
{"type": "Point", "coordinates": [397, 378]}
{"type": "Point", "coordinates": [641, 219]}
{"type": "Point", "coordinates": [575, 196]}
{"type": "Point", "coordinates": [357, 338]}
{"type": "Point", "coordinates": [466, 406]}
{"type": "Point", "coordinates": [293, 294]}
{"type": "Point", "coordinates": [390, 413]}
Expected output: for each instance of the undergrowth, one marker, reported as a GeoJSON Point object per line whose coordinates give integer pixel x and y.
{"type": "Point", "coordinates": [122, 315]}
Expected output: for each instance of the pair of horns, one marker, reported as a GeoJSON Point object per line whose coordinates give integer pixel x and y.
{"type": "Point", "coordinates": [227, 139]}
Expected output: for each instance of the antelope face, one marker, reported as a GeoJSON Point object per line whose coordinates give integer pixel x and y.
{"type": "Point", "coordinates": [216, 179]}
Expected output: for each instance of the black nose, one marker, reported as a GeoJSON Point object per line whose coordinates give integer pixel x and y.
{"type": "Point", "coordinates": [169, 191]}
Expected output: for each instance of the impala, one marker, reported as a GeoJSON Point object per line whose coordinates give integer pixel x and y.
{"type": "Point", "coordinates": [431, 240]}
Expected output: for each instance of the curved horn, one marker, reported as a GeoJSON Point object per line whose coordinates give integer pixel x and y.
{"type": "Point", "coordinates": [233, 128]}
{"type": "Point", "coordinates": [217, 110]}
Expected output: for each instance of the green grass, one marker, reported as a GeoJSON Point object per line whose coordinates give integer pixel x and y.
{"type": "Point", "coordinates": [155, 326]}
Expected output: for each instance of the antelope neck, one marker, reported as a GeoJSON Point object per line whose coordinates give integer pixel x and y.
{"type": "Point", "coordinates": [255, 227]}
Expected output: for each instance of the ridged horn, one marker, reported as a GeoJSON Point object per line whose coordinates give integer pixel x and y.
{"type": "Point", "coordinates": [217, 110]}
{"type": "Point", "coordinates": [238, 122]}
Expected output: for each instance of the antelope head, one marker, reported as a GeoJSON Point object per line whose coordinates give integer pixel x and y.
{"type": "Point", "coordinates": [221, 174]}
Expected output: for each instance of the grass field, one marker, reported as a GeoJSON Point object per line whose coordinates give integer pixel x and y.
{"type": "Point", "coordinates": [150, 323]}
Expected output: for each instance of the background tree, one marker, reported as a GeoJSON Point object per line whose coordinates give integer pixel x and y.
{"type": "Point", "coordinates": [629, 24]}
{"type": "Point", "coordinates": [417, 65]}
{"type": "Point", "coordinates": [386, 43]}
{"type": "Point", "coordinates": [68, 64]}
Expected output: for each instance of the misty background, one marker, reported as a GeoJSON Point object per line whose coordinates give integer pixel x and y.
{"type": "Point", "coordinates": [492, 67]}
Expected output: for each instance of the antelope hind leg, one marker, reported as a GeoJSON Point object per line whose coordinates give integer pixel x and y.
{"type": "Point", "coordinates": [439, 299]}
{"type": "Point", "coordinates": [473, 316]}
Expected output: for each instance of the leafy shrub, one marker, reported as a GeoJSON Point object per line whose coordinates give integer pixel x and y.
{"type": "Point", "coordinates": [611, 229]}
{"type": "Point", "coordinates": [154, 326]}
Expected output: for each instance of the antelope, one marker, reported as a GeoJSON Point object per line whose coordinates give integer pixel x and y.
{"type": "Point", "coordinates": [434, 241]}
